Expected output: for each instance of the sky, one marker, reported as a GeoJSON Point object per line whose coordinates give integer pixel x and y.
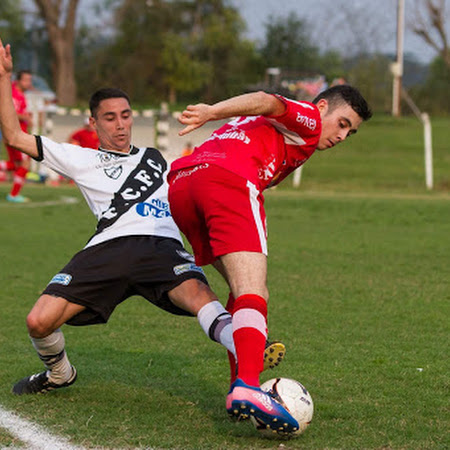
{"type": "Point", "coordinates": [340, 24]}
{"type": "Point", "coordinates": [345, 25]}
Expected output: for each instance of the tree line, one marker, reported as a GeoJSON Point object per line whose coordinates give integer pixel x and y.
{"type": "Point", "coordinates": [181, 50]}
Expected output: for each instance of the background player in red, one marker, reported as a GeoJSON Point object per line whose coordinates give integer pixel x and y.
{"type": "Point", "coordinates": [85, 137]}
{"type": "Point", "coordinates": [216, 198]}
{"type": "Point", "coordinates": [18, 162]}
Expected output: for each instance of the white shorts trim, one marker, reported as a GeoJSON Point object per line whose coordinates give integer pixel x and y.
{"type": "Point", "coordinates": [257, 216]}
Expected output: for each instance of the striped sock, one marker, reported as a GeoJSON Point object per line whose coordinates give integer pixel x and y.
{"type": "Point", "coordinates": [250, 334]}
{"type": "Point", "coordinates": [51, 352]}
{"type": "Point", "coordinates": [7, 165]}
{"type": "Point", "coordinates": [216, 323]}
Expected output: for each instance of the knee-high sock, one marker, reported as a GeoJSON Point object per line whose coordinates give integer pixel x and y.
{"type": "Point", "coordinates": [18, 180]}
{"type": "Point", "coordinates": [7, 165]}
{"type": "Point", "coordinates": [250, 334]}
{"type": "Point", "coordinates": [51, 352]}
{"type": "Point", "coordinates": [216, 323]}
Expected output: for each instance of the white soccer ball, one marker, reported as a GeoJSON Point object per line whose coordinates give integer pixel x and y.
{"type": "Point", "coordinates": [294, 397]}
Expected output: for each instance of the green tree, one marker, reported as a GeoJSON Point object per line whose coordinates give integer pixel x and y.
{"type": "Point", "coordinates": [11, 21]}
{"type": "Point", "coordinates": [181, 72]}
{"type": "Point", "coordinates": [434, 95]}
{"type": "Point", "coordinates": [288, 45]}
{"type": "Point", "coordinates": [232, 59]}
{"type": "Point", "coordinates": [59, 18]}
{"type": "Point", "coordinates": [371, 75]}
{"type": "Point", "coordinates": [174, 48]}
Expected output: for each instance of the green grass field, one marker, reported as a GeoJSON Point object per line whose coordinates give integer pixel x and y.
{"type": "Point", "coordinates": [360, 293]}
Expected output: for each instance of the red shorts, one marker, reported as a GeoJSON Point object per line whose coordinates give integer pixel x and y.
{"type": "Point", "coordinates": [218, 211]}
{"type": "Point", "coordinates": [15, 155]}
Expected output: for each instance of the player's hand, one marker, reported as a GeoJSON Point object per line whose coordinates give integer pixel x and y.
{"type": "Point", "coordinates": [194, 116]}
{"type": "Point", "coordinates": [6, 64]}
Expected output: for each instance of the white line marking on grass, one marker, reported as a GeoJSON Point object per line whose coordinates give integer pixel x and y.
{"type": "Point", "coordinates": [61, 201]}
{"type": "Point", "coordinates": [31, 434]}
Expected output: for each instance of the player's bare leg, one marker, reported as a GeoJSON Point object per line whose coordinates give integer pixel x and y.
{"type": "Point", "coordinates": [246, 273]}
{"type": "Point", "coordinates": [43, 323]}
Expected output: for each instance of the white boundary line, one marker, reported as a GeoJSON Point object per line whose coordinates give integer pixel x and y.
{"type": "Point", "coordinates": [61, 201]}
{"type": "Point", "coordinates": [31, 434]}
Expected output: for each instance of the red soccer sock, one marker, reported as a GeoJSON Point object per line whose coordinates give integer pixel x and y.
{"type": "Point", "coordinates": [19, 180]}
{"type": "Point", "coordinates": [7, 165]}
{"type": "Point", "coordinates": [231, 358]}
{"type": "Point", "coordinates": [250, 334]}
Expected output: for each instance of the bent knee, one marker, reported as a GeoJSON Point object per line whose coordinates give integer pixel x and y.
{"type": "Point", "coordinates": [37, 325]}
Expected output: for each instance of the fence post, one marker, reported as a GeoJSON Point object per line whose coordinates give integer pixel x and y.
{"type": "Point", "coordinates": [428, 151]}
{"type": "Point", "coordinates": [162, 128]}
{"type": "Point", "coordinates": [297, 177]}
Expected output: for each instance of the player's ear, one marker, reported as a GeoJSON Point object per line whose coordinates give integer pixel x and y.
{"type": "Point", "coordinates": [92, 122]}
{"type": "Point", "coordinates": [322, 105]}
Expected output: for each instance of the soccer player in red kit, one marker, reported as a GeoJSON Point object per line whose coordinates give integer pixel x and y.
{"type": "Point", "coordinates": [216, 198]}
{"type": "Point", "coordinates": [19, 162]}
{"type": "Point", "coordinates": [85, 137]}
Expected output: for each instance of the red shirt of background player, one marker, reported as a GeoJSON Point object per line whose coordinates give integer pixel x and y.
{"type": "Point", "coordinates": [85, 138]}
{"type": "Point", "coordinates": [20, 105]}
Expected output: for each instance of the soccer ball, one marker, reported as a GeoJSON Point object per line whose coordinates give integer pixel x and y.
{"type": "Point", "coordinates": [294, 397]}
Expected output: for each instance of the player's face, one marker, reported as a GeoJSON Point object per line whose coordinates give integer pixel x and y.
{"type": "Point", "coordinates": [113, 124]}
{"type": "Point", "coordinates": [26, 82]}
{"type": "Point", "coordinates": [337, 124]}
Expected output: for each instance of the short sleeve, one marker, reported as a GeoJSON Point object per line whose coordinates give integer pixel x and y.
{"type": "Point", "coordinates": [56, 156]}
{"type": "Point", "coordinates": [300, 121]}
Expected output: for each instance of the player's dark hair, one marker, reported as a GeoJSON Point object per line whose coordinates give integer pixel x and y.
{"type": "Point", "coordinates": [104, 94]}
{"type": "Point", "coordinates": [341, 94]}
{"type": "Point", "coordinates": [21, 73]}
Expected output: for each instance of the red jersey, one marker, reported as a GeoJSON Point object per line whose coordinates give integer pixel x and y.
{"type": "Point", "coordinates": [262, 149]}
{"type": "Point", "coordinates": [20, 101]}
{"type": "Point", "coordinates": [86, 138]}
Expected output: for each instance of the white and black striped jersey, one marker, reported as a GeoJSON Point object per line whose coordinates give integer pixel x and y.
{"type": "Point", "coordinates": [126, 192]}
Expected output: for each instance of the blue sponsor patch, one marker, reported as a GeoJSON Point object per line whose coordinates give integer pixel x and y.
{"type": "Point", "coordinates": [155, 208]}
{"type": "Point", "coordinates": [61, 278]}
{"type": "Point", "coordinates": [188, 267]}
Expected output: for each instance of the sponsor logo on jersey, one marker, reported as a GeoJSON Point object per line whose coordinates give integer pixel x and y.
{"type": "Point", "coordinates": [307, 121]}
{"type": "Point", "coordinates": [231, 134]}
{"type": "Point", "coordinates": [267, 172]}
{"type": "Point", "coordinates": [188, 267]}
{"type": "Point", "coordinates": [156, 208]}
{"type": "Point", "coordinates": [61, 278]}
{"type": "Point", "coordinates": [186, 255]}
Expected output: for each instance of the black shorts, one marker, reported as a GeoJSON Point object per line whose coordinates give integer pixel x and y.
{"type": "Point", "coordinates": [104, 275]}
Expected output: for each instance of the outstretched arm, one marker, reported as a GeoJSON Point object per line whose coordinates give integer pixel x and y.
{"type": "Point", "coordinates": [253, 104]}
{"type": "Point", "coordinates": [9, 122]}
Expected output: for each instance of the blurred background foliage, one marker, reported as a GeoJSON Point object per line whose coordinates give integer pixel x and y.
{"type": "Point", "coordinates": [191, 50]}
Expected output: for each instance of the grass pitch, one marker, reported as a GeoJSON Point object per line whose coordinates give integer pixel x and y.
{"type": "Point", "coordinates": [360, 294]}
